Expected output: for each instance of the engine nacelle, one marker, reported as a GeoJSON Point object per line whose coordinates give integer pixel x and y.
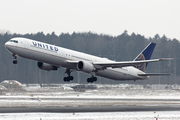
{"type": "Point", "coordinates": [46, 66]}
{"type": "Point", "coordinates": [85, 66]}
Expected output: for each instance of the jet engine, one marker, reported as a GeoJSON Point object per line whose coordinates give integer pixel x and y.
{"type": "Point", "coordinates": [46, 66]}
{"type": "Point", "coordinates": [85, 66]}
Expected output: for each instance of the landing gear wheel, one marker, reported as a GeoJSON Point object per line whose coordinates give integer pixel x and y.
{"type": "Point", "coordinates": [92, 79]}
{"type": "Point", "coordinates": [68, 78]}
{"type": "Point", "coordinates": [71, 77]}
{"type": "Point", "coordinates": [95, 78]}
{"type": "Point", "coordinates": [15, 61]}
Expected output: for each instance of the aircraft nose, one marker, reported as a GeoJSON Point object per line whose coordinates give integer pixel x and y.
{"type": "Point", "coordinates": [7, 45]}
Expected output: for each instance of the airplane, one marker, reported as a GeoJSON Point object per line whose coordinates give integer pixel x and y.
{"type": "Point", "coordinates": [51, 57]}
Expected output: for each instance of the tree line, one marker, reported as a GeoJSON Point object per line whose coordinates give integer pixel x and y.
{"type": "Point", "coordinates": [123, 47]}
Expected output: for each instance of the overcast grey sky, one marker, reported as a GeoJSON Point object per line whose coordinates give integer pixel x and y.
{"type": "Point", "coordinates": [112, 17]}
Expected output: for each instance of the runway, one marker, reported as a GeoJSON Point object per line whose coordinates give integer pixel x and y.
{"type": "Point", "coordinates": [71, 109]}
{"type": "Point", "coordinates": [101, 104]}
{"type": "Point", "coordinates": [26, 104]}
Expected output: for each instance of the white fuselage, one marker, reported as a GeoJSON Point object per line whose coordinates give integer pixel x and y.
{"type": "Point", "coordinates": [58, 56]}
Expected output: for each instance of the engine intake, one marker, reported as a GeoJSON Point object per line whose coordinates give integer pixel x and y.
{"type": "Point", "coordinates": [85, 66]}
{"type": "Point", "coordinates": [46, 66]}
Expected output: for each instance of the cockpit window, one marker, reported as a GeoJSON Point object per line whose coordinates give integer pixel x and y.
{"type": "Point", "coordinates": [15, 41]}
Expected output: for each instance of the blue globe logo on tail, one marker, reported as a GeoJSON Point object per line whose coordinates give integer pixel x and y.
{"type": "Point", "coordinates": [145, 55]}
{"type": "Point", "coordinates": [141, 66]}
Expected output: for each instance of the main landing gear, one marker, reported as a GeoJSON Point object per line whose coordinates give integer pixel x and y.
{"type": "Point", "coordinates": [15, 59]}
{"type": "Point", "coordinates": [92, 79]}
{"type": "Point", "coordinates": [69, 77]}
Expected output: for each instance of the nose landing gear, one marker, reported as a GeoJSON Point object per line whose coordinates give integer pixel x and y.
{"type": "Point", "coordinates": [15, 59]}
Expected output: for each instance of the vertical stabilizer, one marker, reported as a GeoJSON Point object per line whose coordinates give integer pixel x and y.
{"type": "Point", "coordinates": [145, 55]}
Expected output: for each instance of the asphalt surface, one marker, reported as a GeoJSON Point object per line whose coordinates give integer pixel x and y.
{"type": "Point", "coordinates": [78, 98]}
{"type": "Point", "coordinates": [70, 109]}
{"type": "Point", "coordinates": [168, 106]}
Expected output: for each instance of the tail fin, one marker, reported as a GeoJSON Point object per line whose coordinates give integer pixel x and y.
{"type": "Point", "coordinates": [145, 55]}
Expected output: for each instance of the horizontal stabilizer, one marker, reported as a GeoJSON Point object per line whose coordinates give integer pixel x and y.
{"type": "Point", "coordinates": [154, 74]}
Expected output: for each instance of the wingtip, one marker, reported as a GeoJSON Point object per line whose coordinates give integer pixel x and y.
{"type": "Point", "coordinates": [163, 59]}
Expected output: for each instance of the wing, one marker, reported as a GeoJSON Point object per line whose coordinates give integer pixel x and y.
{"type": "Point", "coordinates": [113, 64]}
{"type": "Point", "coordinates": [104, 65]}
{"type": "Point", "coordinates": [154, 74]}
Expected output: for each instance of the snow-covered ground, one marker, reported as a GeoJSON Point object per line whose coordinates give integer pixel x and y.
{"type": "Point", "coordinates": [160, 115]}
{"type": "Point", "coordinates": [34, 95]}
{"type": "Point", "coordinates": [94, 97]}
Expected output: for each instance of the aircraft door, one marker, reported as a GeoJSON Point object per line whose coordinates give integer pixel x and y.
{"type": "Point", "coordinates": [26, 44]}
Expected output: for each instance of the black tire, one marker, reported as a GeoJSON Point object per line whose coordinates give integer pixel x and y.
{"type": "Point", "coordinates": [90, 80]}
{"type": "Point", "coordinates": [15, 61]}
{"type": "Point", "coordinates": [64, 79]}
{"type": "Point", "coordinates": [71, 78]}
{"type": "Point", "coordinates": [95, 79]}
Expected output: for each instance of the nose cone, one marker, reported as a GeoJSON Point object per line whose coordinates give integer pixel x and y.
{"type": "Point", "coordinates": [11, 45]}
{"type": "Point", "coordinates": [6, 45]}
